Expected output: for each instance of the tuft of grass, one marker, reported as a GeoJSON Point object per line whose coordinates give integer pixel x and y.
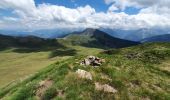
{"type": "Point", "coordinates": [24, 92]}
{"type": "Point", "coordinates": [49, 94]}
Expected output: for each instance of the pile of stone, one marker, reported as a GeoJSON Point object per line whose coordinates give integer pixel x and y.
{"type": "Point", "coordinates": [93, 61]}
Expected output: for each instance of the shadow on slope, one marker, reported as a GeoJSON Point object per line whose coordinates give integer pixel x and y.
{"type": "Point", "coordinates": [33, 44]}
{"type": "Point", "coordinates": [29, 44]}
{"type": "Point", "coordinates": [61, 53]}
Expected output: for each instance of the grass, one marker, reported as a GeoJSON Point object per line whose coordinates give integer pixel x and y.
{"type": "Point", "coordinates": [18, 65]}
{"type": "Point", "coordinates": [133, 78]}
{"type": "Point", "coordinates": [15, 65]}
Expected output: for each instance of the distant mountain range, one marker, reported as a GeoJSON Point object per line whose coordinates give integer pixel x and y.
{"type": "Point", "coordinates": [158, 38]}
{"type": "Point", "coordinates": [132, 35]}
{"type": "Point", "coordinates": [52, 34]}
{"type": "Point", "coordinates": [136, 35]}
{"type": "Point", "coordinates": [89, 37]}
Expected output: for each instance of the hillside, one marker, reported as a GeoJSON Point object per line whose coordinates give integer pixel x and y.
{"type": "Point", "coordinates": [23, 56]}
{"type": "Point", "coordinates": [98, 39]}
{"type": "Point", "coordinates": [135, 73]}
{"type": "Point", "coordinates": [158, 38]}
{"type": "Point", "coordinates": [27, 42]}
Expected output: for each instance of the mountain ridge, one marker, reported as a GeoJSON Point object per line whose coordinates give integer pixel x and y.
{"type": "Point", "coordinates": [158, 38]}
{"type": "Point", "coordinates": [98, 37]}
{"type": "Point", "coordinates": [137, 34]}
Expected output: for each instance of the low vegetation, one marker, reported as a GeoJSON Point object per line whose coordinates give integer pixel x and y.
{"type": "Point", "coordinates": [135, 73]}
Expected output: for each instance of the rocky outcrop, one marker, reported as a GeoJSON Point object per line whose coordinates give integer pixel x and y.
{"type": "Point", "coordinates": [105, 88]}
{"type": "Point", "coordinates": [93, 61]}
{"type": "Point", "coordinates": [84, 74]}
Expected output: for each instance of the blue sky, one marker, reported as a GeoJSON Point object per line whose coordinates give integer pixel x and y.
{"type": "Point", "coordinates": [99, 5]}
{"type": "Point", "coordinates": [73, 14]}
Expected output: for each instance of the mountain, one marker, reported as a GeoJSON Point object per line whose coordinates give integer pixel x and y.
{"type": "Point", "coordinates": [96, 38]}
{"type": "Point", "coordinates": [45, 33]}
{"type": "Point", "coordinates": [159, 38]}
{"type": "Point", "coordinates": [136, 35]}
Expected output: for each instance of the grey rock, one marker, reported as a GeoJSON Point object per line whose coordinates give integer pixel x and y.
{"type": "Point", "coordinates": [84, 74]}
{"type": "Point", "coordinates": [105, 88]}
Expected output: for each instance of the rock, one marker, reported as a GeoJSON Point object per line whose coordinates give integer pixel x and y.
{"type": "Point", "coordinates": [91, 57]}
{"type": "Point", "coordinates": [84, 74]}
{"type": "Point", "coordinates": [93, 61]}
{"type": "Point", "coordinates": [86, 62]}
{"type": "Point", "coordinates": [105, 88]}
{"type": "Point", "coordinates": [96, 63]}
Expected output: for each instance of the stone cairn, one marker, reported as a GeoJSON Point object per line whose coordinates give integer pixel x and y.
{"type": "Point", "coordinates": [93, 61]}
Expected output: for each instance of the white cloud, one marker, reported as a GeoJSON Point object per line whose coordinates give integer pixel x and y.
{"type": "Point", "coordinates": [10, 19]}
{"type": "Point", "coordinates": [122, 4]}
{"type": "Point", "coordinates": [112, 8]}
{"type": "Point", "coordinates": [46, 16]}
{"type": "Point", "coordinates": [25, 5]}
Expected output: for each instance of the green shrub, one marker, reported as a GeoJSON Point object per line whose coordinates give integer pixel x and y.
{"type": "Point", "coordinates": [111, 51]}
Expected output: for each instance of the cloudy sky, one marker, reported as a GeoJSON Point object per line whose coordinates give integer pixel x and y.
{"type": "Point", "coordinates": [113, 14]}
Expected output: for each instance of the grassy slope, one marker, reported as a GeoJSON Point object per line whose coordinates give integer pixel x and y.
{"type": "Point", "coordinates": [15, 65]}
{"type": "Point", "coordinates": [141, 77]}
{"type": "Point", "coordinates": [18, 65]}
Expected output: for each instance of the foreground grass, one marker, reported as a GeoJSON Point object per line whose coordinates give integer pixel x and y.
{"type": "Point", "coordinates": [141, 76]}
